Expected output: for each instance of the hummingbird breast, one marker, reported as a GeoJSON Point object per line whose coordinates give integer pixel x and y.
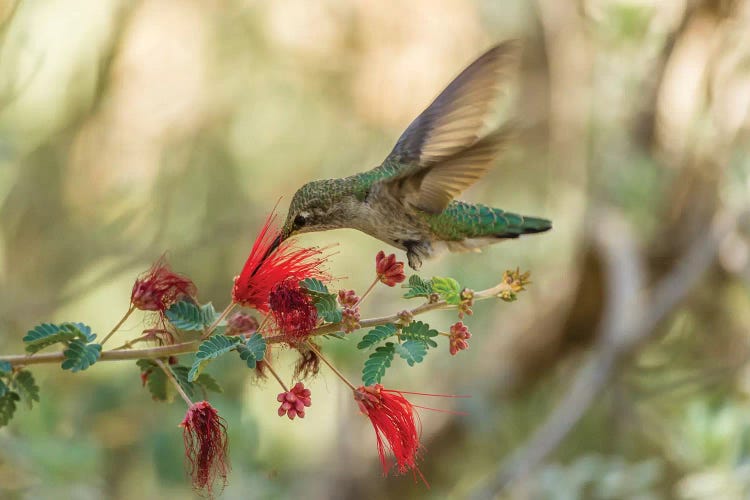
{"type": "Point", "coordinates": [386, 218]}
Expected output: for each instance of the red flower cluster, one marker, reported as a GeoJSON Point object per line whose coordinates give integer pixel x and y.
{"type": "Point", "coordinates": [392, 417]}
{"type": "Point", "coordinates": [206, 445]}
{"type": "Point", "coordinates": [159, 288]}
{"type": "Point", "coordinates": [293, 402]}
{"type": "Point", "coordinates": [241, 323]}
{"type": "Point", "coordinates": [348, 298]}
{"type": "Point", "coordinates": [263, 271]}
{"type": "Point", "coordinates": [293, 310]}
{"type": "Point", "coordinates": [459, 334]}
{"type": "Point", "coordinates": [388, 270]}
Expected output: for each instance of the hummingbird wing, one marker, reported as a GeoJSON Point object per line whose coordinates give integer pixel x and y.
{"type": "Point", "coordinates": [441, 153]}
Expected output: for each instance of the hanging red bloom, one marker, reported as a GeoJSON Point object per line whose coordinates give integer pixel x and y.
{"type": "Point", "coordinates": [206, 446]}
{"type": "Point", "coordinates": [396, 429]}
{"type": "Point", "coordinates": [263, 271]}
{"type": "Point", "coordinates": [459, 334]}
{"type": "Point", "coordinates": [293, 310]}
{"type": "Point", "coordinates": [388, 270]}
{"type": "Point", "coordinates": [159, 288]}
{"type": "Point", "coordinates": [294, 402]}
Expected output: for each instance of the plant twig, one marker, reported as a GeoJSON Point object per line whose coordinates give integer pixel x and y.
{"type": "Point", "coordinates": [168, 372]}
{"type": "Point", "coordinates": [119, 324]}
{"type": "Point", "coordinates": [192, 346]}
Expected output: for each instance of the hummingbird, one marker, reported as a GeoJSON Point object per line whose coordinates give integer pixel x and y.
{"type": "Point", "coordinates": [408, 201]}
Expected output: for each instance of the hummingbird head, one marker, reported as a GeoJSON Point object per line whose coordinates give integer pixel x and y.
{"type": "Point", "coordinates": [314, 207]}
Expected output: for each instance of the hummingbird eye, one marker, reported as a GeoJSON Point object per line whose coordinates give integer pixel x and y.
{"type": "Point", "coordinates": [299, 221]}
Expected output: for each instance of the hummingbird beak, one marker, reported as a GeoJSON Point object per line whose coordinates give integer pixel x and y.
{"type": "Point", "coordinates": [274, 245]}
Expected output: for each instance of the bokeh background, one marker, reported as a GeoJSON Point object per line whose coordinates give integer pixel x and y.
{"type": "Point", "coordinates": [133, 128]}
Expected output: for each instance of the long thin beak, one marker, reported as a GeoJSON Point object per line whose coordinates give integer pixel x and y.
{"type": "Point", "coordinates": [274, 245]}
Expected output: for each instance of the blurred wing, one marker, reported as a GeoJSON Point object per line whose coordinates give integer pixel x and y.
{"type": "Point", "coordinates": [433, 188]}
{"type": "Point", "coordinates": [441, 154]}
{"type": "Point", "coordinates": [455, 118]}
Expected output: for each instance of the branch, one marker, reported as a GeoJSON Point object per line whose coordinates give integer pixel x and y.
{"type": "Point", "coordinates": [630, 319]}
{"type": "Point", "coordinates": [192, 346]}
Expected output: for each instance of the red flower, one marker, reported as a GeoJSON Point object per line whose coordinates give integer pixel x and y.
{"type": "Point", "coordinates": [388, 270]}
{"type": "Point", "coordinates": [350, 319]}
{"type": "Point", "coordinates": [159, 288]}
{"type": "Point", "coordinates": [206, 445]}
{"type": "Point", "coordinates": [293, 310]}
{"type": "Point", "coordinates": [262, 272]}
{"type": "Point", "coordinates": [348, 298]}
{"type": "Point", "coordinates": [241, 324]}
{"type": "Point", "coordinates": [459, 334]}
{"type": "Point", "coordinates": [293, 402]}
{"type": "Point", "coordinates": [396, 430]}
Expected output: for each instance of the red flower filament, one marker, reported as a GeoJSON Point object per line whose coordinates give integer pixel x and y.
{"type": "Point", "coordinates": [396, 430]}
{"type": "Point", "coordinates": [388, 270]}
{"type": "Point", "coordinates": [294, 402]}
{"type": "Point", "coordinates": [206, 446]}
{"type": "Point", "coordinates": [293, 310]}
{"type": "Point", "coordinates": [159, 288]}
{"type": "Point", "coordinates": [262, 272]}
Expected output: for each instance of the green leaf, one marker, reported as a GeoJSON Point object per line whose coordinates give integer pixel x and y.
{"type": "Point", "coordinates": [377, 363]}
{"type": "Point", "coordinates": [47, 334]}
{"type": "Point", "coordinates": [6, 367]}
{"type": "Point", "coordinates": [8, 407]}
{"type": "Point", "coordinates": [448, 289]}
{"type": "Point", "coordinates": [3, 388]}
{"type": "Point", "coordinates": [79, 356]}
{"type": "Point", "coordinates": [418, 287]}
{"type": "Point", "coordinates": [26, 387]}
{"type": "Point", "coordinates": [421, 332]}
{"type": "Point", "coordinates": [209, 350]}
{"type": "Point", "coordinates": [327, 307]}
{"type": "Point", "coordinates": [377, 335]}
{"type": "Point", "coordinates": [314, 286]}
{"type": "Point", "coordinates": [209, 314]}
{"type": "Point", "coordinates": [413, 351]}
{"type": "Point", "coordinates": [156, 380]}
{"type": "Point", "coordinates": [208, 383]}
{"type": "Point", "coordinates": [185, 315]}
{"type": "Point", "coordinates": [182, 374]}
{"type": "Point", "coordinates": [252, 350]}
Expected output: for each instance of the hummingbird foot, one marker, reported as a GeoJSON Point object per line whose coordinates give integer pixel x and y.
{"type": "Point", "coordinates": [415, 262]}
{"type": "Point", "coordinates": [415, 251]}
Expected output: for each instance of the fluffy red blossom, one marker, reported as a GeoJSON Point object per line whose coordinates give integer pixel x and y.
{"type": "Point", "coordinates": [241, 323]}
{"type": "Point", "coordinates": [206, 446]}
{"type": "Point", "coordinates": [263, 271]}
{"type": "Point", "coordinates": [293, 402]}
{"type": "Point", "coordinates": [396, 429]}
{"type": "Point", "coordinates": [159, 288]}
{"type": "Point", "coordinates": [459, 334]}
{"type": "Point", "coordinates": [388, 270]}
{"type": "Point", "coordinates": [293, 310]}
{"type": "Point", "coordinates": [348, 298]}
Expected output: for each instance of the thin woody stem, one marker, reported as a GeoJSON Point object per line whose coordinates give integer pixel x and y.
{"type": "Point", "coordinates": [221, 317]}
{"type": "Point", "coordinates": [340, 375]}
{"type": "Point", "coordinates": [119, 324]}
{"type": "Point", "coordinates": [367, 292]}
{"type": "Point", "coordinates": [276, 376]}
{"type": "Point", "coordinates": [168, 372]}
{"type": "Point", "coordinates": [191, 347]}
